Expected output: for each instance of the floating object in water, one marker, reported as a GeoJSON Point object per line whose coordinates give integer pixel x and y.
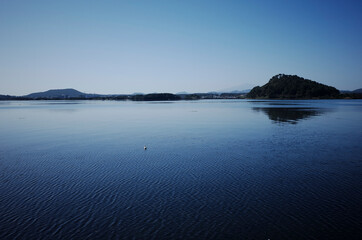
{"type": "Point", "coordinates": [145, 148]}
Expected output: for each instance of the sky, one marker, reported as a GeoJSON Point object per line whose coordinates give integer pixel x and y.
{"type": "Point", "coordinates": [111, 47]}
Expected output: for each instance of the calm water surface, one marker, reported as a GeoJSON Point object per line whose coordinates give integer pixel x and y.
{"type": "Point", "coordinates": [213, 170]}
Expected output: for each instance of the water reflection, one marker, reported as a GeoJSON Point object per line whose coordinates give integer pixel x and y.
{"type": "Point", "coordinates": [208, 163]}
{"type": "Point", "coordinates": [288, 115]}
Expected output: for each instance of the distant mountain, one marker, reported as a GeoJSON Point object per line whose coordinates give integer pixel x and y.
{"type": "Point", "coordinates": [137, 93]}
{"type": "Point", "coordinates": [293, 87]}
{"type": "Point", "coordinates": [238, 89]}
{"type": "Point", "coordinates": [182, 93]}
{"type": "Point", "coordinates": [68, 93]}
{"type": "Point", "coordinates": [240, 92]}
{"type": "Point", "coordinates": [218, 92]}
{"type": "Point", "coordinates": [57, 94]}
{"type": "Point", "coordinates": [355, 94]}
{"type": "Point", "coordinates": [345, 91]}
{"type": "Point", "coordinates": [353, 91]}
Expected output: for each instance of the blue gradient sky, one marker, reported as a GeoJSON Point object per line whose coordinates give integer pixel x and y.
{"type": "Point", "coordinates": [173, 46]}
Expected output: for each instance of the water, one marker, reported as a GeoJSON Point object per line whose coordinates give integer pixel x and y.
{"type": "Point", "coordinates": [213, 170]}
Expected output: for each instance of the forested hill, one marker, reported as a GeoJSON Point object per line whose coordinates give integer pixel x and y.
{"type": "Point", "coordinates": [57, 93]}
{"type": "Point", "coordinates": [283, 86]}
{"type": "Point", "coordinates": [156, 97]}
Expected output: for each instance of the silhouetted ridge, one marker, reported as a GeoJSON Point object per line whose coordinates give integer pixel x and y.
{"type": "Point", "coordinates": [293, 87]}
{"type": "Point", "coordinates": [57, 93]}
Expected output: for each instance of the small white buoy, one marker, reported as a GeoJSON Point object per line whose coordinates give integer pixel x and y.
{"type": "Point", "coordinates": [145, 148]}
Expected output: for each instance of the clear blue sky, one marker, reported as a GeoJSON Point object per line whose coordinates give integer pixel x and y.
{"type": "Point", "coordinates": [173, 46]}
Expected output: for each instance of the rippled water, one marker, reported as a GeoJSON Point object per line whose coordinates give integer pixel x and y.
{"type": "Point", "coordinates": [212, 170]}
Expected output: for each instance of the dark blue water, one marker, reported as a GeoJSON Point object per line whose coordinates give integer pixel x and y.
{"type": "Point", "coordinates": [212, 170]}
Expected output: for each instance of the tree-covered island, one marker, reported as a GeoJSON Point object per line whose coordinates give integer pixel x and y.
{"type": "Point", "coordinates": [284, 86]}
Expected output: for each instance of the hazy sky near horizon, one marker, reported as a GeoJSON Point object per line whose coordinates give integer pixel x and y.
{"type": "Point", "coordinates": [172, 46]}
